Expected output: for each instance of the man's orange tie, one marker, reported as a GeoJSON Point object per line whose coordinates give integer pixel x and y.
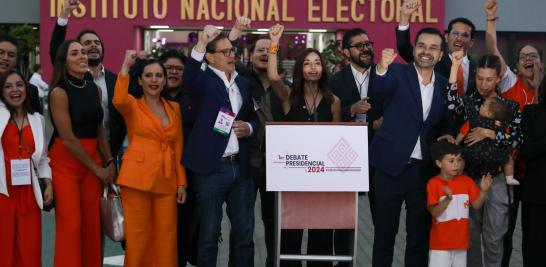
{"type": "Point", "coordinates": [460, 80]}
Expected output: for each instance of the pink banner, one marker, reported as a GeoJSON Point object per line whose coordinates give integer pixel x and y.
{"type": "Point", "coordinates": [119, 21]}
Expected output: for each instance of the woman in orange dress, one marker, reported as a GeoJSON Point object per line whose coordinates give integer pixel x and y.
{"type": "Point", "coordinates": [21, 200]}
{"type": "Point", "coordinates": [151, 177]}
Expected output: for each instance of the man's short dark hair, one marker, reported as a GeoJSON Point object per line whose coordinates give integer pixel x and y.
{"type": "Point", "coordinates": [36, 67]}
{"type": "Point", "coordinates": [348, 35]}
{"type": "Point", "coordinates": [10, 39]}
{"type": "Point", "coordinates": [173, 53]}
{"type": "Point", "coordinates": [463, 21]}
{"type": "Point", "coordinates": [432, 31]}
{"type": "Point", "coordinates": [211, 46]}
{"type": "Point", "coordinates": [439, 149]}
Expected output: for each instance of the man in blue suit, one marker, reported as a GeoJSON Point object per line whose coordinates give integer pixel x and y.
{"type": "Point", "coordinates": [217, 149]}
{"type": "Point", "coordinates": [414, 107]}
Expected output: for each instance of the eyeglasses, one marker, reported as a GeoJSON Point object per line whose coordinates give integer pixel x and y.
{"type": "Point", "coordinates": [456, 33]}
{"type": "Point", "coordinates": [174, 68]}
{"type": "Point", "coordinates": [532, 56]}
{"type": "Point", "coordinates": [227, 52]}
{"type": "Point", "coordinates": [361, 46]}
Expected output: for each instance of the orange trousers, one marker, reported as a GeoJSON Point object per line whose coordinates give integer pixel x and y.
{"type": "Point", "coordinates": [77, 213]}
{"type": "Point", "coordinates": [20, 229]}
{"type": "Point", "coordinates": [150, 228]}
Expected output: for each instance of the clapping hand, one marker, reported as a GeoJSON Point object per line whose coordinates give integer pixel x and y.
{"type": "Point", "coordinates": [486, 182]}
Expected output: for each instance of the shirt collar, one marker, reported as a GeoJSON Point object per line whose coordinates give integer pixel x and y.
{"type": "Point", "coordinates": [421, 78]}
{"type": "Point", "coordinates": [357, 73]}
{"type": "Point", "coordinates": [223, 76]}
{"type": "Point", "coordinates": [101, 73]}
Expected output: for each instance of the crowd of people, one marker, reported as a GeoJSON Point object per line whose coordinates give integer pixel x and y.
{"type": "Point", "coordinates": [460, 141]}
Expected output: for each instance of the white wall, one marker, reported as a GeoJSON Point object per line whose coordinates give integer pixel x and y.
{"type": "Point", "coordinates": [515, 15]}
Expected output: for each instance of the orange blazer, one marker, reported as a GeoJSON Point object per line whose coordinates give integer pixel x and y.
{"type": "Point", "coordinates": [152, 161]}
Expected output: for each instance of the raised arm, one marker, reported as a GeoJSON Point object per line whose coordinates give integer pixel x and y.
{"type": "Point", "coordinates": [193, 65]}
{"type": "Point", "coordinates": [490, 8]}
{"type": "Point", "coordinates": [403, 42]}
{"type": "Point", "coordinates": [241, 24]}
{"type": "Point", "coordinates": [454, 101]}
{"type": "Point", "coordinates": [59, 31]}
{"type": "Point", "coordinates": [122, 99]}
{"type": "Point", "coordinates": [281, 90]}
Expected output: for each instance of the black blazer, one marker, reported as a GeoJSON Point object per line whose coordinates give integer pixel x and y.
{"type": "Point", "coordinates": [533, 151]}
{"type": "Point", "coordinates": [343, 85]}
{"type": "Point", "coordinates": [116, 125]}
{"type": "Point", "coordinates": [405, 50]}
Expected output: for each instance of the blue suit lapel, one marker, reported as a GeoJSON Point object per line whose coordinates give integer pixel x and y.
{"type": "Point", "coordinates": [220, 88]}
{"type": "Point", "coordinates": [415, 91]}
{"type": "Point", "coordinates": [437, 100]}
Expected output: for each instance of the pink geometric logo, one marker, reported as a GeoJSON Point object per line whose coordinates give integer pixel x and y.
{"type": "Point", "coordinates": [342, 155]}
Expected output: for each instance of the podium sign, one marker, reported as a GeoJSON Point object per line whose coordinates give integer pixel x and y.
{"type": "Point", "coordinates": [319, 157]}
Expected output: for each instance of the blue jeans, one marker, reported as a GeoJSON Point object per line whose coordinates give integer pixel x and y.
{"type": "Point", "coordinates": [225, 184]}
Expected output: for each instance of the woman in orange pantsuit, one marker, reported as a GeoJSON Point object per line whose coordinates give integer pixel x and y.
{"type": "Point", "coordinates": [22, 132]}
{"type": "Point", "coordinates": [151, 176]}
{"type": "Point", "coordinates": [80, 159]}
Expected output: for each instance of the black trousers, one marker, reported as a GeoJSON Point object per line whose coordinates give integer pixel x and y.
{"type": "Point", "coordinates": [390, 193]}
{"type": "Point", "coordinates": [188, 226]}
{"type": "Point", "coordinates": [533, 228]}
{"type": "Point", "coordinates": [319, 242]}
{"type": "Point", "coordinates": [267, 200]}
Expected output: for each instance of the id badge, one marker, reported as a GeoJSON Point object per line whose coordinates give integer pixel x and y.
{"type": "Point", "coordinates": [20, 172]}
{"type": "Point", "coordinates": [224, 121]}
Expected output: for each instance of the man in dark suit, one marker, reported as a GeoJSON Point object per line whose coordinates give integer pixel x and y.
{"type": "Point", "coordinates": [8, 61]}
{"type": "Point", "coordinates": [414, 105]}
{"type": "Point", "coordinates": [351, 84]}
{"type": "Point", "coordinates": [105, 79]}
{"type": "Point", "coordinates": [459, 36]}
{"type": "Point", "coordinates": [217, 150]}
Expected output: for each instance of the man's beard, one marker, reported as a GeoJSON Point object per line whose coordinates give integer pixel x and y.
{"type": "Point", "coordinates": [361, 63]}
{"type": "Point", "coordinates": [93, 62]}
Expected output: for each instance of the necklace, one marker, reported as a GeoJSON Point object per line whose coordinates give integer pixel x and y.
{"type": "Point", "coordinates": [80, 87]}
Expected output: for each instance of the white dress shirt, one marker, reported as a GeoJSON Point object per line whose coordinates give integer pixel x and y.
{"type": "Point", "coordinates": [235, 98]}
{"type": "Point", "coordinates": [427, 91]}
{"type": "Point", "coordinates": [36, 80]}
{"type": "Point", "coordinates": [362, 80]}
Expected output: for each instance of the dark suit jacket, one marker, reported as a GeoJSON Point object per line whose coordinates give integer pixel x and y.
{"type": "Point", "coordinates": [403, 122]}
{"type": "Point", "coordinates": [533, 151]}
{"type": "Point", "coordinates": [405, 50]}
{"type": "Point", "coordinates": [116, 124]}
{"type": "Point", "coordinates": [343, 85]}
{"type": "Point", "coordinates": [208, 94]}
{"type": "Point", "coordinates": [34, 98]}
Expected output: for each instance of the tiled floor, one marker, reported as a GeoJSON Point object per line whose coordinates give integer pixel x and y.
{"type": "Point", "coordinates": [365, 241]}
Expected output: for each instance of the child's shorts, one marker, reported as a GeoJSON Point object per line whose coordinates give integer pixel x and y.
{"type": "Point", "coordinates": [447, 258]}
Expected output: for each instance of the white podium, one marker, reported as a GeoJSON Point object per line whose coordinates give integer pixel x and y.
{"type": "Point", "coordinates": [317, 170]}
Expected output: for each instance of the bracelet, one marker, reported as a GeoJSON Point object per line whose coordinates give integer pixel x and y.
{"type": "Point", "coordinates": [492, 19]}
{"type": "Point", "coordinates": [109, 161]}
{"type": "Point", "coordinates": [273, 49]}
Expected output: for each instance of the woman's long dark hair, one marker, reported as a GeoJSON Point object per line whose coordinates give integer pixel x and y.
{"type": "Point", "coordinates": [59, 65]}
{"type": "Point", "coordinates": [297, 87]}
{"type": "Point", "coordinates": [27, 106]}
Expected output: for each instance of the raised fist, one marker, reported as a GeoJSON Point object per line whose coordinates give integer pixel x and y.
{"type": "Point", "coordinates": [275, 33]}
{"type": "Point", "coordinates": [209, 33]}
{"type": "Point", "coordinates": [242, 23]}
{"type": "Point", "coordinates": [490, 8]}
{"type": "Point", "coordinates": [130, 57]}
{"type": "Point", "coordinates": [387, 57]}
{"type": "Point", "coordinates": [457, 58]}
{"type": "Point", "coordinates": [409, 7]}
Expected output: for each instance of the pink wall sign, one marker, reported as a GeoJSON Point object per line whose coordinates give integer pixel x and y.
{"type": "Point", "coordinates": [119, 21]}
